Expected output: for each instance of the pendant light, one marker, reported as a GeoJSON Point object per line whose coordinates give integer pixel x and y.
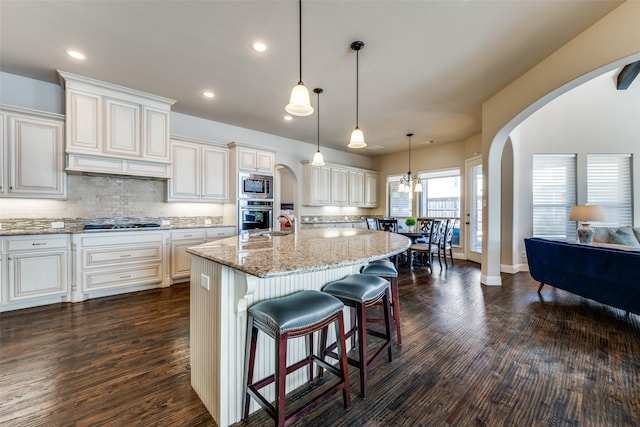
{"type": "Point", "coordinates": [299, 102]}
{"type": "Point", "coordinates": [357, 137]}
{"type": "Point", "coordinates": [406, 182]}
{"type": "Point", "coordinates": [318, 159]}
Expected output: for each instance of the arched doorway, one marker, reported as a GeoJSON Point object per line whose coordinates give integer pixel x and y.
{"type": "Point", "coordinates": [562, 71]}
{"type": "Point", "coordinates": [286, 196]}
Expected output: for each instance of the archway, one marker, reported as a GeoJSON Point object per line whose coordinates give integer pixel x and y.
{"type": "Point", "coordinates": [610, 43]}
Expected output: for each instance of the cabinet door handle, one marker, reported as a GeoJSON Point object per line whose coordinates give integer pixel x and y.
{"type": "Point", "coordinates": [188, 235]}
{"type": "Point", "coordinates": [125, 255]}
{"type": "Point", "coordinates": [39, 244]}
{"type": "Point", "coordinates": [10, 258]}
{"type": "Point", "coordinates": [126, 277]}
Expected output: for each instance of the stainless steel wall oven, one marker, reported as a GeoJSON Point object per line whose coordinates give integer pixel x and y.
{"type": "Point", "coordinates": [255, 214]}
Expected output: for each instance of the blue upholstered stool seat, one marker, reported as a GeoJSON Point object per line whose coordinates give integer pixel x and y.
{"type": "Point", "coordinates": [299, 315]}
{"type": "Point", "coordinates": [381, 267]}
{"type": "Point", "coordinates": [357, 287]}
{"type": "Point", "coordinates": [387, 270]}
{"type": "Point", "coordinates": [296, 311]}
{"type": "Point", "coordinates": [359, 291]}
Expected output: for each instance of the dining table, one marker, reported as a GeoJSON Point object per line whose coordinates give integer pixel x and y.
{"type": "Point", "coordinates": [413, 236]}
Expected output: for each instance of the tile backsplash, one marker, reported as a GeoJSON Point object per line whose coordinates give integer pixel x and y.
{"type": "Point", "coordinates": [102, 196]}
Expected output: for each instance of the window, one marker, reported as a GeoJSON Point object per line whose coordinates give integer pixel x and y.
{"type": "Point", "coordinates": [440, 197]}
{"type": "Point", "coordinates": [609, 185]}
{"type": "Point", "coordinates": [399, 203]}
{"type": "Point", "coordinates": [554, 193]}
{"type": "Point", "coordinates": [440, 194]}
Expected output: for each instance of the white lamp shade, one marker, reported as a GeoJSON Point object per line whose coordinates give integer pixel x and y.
{"type": "Point", "coordinates": [418, 188]}
{"type": "Point", "coordinates": [299, 102]}
{"type": "Point", "coordinates": [586, 213]}
{"type": "Point", "coordinates": [357, 139]}
{"type": "Point", "coordinates": [318, 159]}
{"type": "Point", "coordinates": [401, 187]}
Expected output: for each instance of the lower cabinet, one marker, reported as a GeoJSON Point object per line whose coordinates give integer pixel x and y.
{"type": "Point", "coordinates": [34, 271]}
{"type": "Point", "coordinates": [113, 260]}
{"type": "Point", "coordinates": [180, 270]}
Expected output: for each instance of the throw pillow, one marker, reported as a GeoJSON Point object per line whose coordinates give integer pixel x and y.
{"type": "Point", "coordinates": [622, 237]}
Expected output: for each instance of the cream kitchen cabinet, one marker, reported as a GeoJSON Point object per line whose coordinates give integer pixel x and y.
{"type": "Point", "coordinates": [117, 130]}
{"type": "Point", "coordinates": [200, 172]}
{"type": "Point", "coordinates": [370, 190]}
{"type": "Point", "coordinates": [335, 185]}
{"type": "Point", "coordinates": [339, 186]}
{"type": "Point", "coordinates": [317, 181]}
{"type": "Point", "coordinates": [112, 262]}
{"type": "Point", "coordinates": [183, 239]}
{"type": "Point", "coordinates": [254, 160]}
{"type": "Point", "coordinates": [37, 270]}
{"type": "Point", "coordinates": [356, 188]}
{"type": "Point", "coordinates": [32, 154]}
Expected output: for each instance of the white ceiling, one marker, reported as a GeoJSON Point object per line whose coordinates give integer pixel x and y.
{"type": "Point", "coordinates": [427, 66]}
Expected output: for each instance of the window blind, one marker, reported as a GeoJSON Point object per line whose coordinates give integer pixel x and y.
{"type": "Point", "coordinates": [554, 193]}
{"type": "Point", "coordinates": [609, 185]}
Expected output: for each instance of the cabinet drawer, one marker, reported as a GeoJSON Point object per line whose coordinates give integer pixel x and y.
{"type": "Point", "coordinates": [220, 233]}
{"type": "Point", "coordinates": [36, 244]}
{"type": "Point", "coordinates": [188, 235]}
{"type": "Point", "coordinates": [98, 257]}
{"type": "Point", "coordinates": [120, 238]}
{"type": "Point", "coordinates": [134, 275]}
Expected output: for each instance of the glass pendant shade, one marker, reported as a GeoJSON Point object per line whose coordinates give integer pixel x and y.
{"type": "Point", "coordinates": [299, 102]}
{"type": "Point", "coordinates": [418, 188]}
{"type": "Point", "coordinates": [357, 139]}
{"type": "Point", "coordinates": [401, 187]}
{"type": "Point", "coordinates": [318, 159]}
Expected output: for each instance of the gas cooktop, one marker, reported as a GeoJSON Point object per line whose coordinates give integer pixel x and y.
{"type": "Point", "coordinates": [119, 226]}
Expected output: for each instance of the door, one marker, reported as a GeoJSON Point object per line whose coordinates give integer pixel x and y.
{"type": "Point", "coordinates": [473, 216]}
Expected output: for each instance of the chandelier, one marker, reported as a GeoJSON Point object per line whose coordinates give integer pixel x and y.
{"type": "Point", "coordinates": [406, 182]}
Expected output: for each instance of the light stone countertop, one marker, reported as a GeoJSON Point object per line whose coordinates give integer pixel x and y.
{"type": "Point", "coordinates": [306, 251]}
{"type": "Point", "coordinates": [6, 231]}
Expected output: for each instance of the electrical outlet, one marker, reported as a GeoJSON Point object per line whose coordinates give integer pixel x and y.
{"type": "Point", "coordinates": [524, 254]}
{"type": "Point", "coordinates": [165, 222]}
{"type": "Point", "coordinates": [204, 282]}
{"type": "Point", "coordinates": [57, 224]}
{"type": "Point", "coordinates": [207, 222]}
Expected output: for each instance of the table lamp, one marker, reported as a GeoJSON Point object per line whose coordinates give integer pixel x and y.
{"type": "Point", "coordinates": [586, 214]}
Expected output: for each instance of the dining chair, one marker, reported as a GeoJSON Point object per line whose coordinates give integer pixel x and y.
{"type": "Point", "coordinates": [388, 224]}
{"type": "Point", "coordinates": [430, 246]}
{"type": "Point", "coordinates": [372, 224]}
{"type": "Point", "coordinates": [446, 241]}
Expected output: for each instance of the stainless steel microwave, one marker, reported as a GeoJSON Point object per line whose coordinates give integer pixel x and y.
{"type": "Point", "coordinates": [255, 186]}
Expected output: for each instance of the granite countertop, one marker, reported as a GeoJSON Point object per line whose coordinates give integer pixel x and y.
{"type": "Point", "coordinates": [26, 231]}
{"type": "Point", "coordinates": [306, 251]}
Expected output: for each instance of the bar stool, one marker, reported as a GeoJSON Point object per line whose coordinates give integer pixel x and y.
{"type": "Point", "coordinates": [296, 315]}
{"type": "Point", "coordinates": [360, 291]}
{"type": "Point", "coordinates": [385, 269]}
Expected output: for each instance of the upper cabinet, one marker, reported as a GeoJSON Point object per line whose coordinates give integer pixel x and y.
{"type": "Point", "coordinates": [31, 154]}
{"type": "Point", "coordinates": [116, 130]}
{"type": "Point", "coordinates": [336, 185]}
{"type": "Point", "coordinates": [255, 160]}
{"type": "Point", "coordinates": [200, 172]}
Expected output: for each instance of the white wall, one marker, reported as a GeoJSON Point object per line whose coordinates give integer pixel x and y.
{"type": "Point", "coordinates": [592, 118]}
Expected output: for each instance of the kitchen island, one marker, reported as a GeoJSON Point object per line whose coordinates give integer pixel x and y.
{"type": "Point", "coordinates": [230, 275]}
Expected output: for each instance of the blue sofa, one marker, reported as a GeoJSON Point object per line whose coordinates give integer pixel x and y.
{"type": "Point", "coordinates": [607, 275]}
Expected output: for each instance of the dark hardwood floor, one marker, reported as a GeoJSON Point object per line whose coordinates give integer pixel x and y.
{"type": "Point", "coordinates": [471, 356]}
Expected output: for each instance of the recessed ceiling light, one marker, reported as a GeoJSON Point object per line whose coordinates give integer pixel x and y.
{"type": "Point", "coordinates": [208, 94]}
{"type": "Point", "coordinates": [288, 118]}
{"type": "Point", "coordinates": [76, 54]}
{"type": "Point", "coordinates": [259, 47]}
